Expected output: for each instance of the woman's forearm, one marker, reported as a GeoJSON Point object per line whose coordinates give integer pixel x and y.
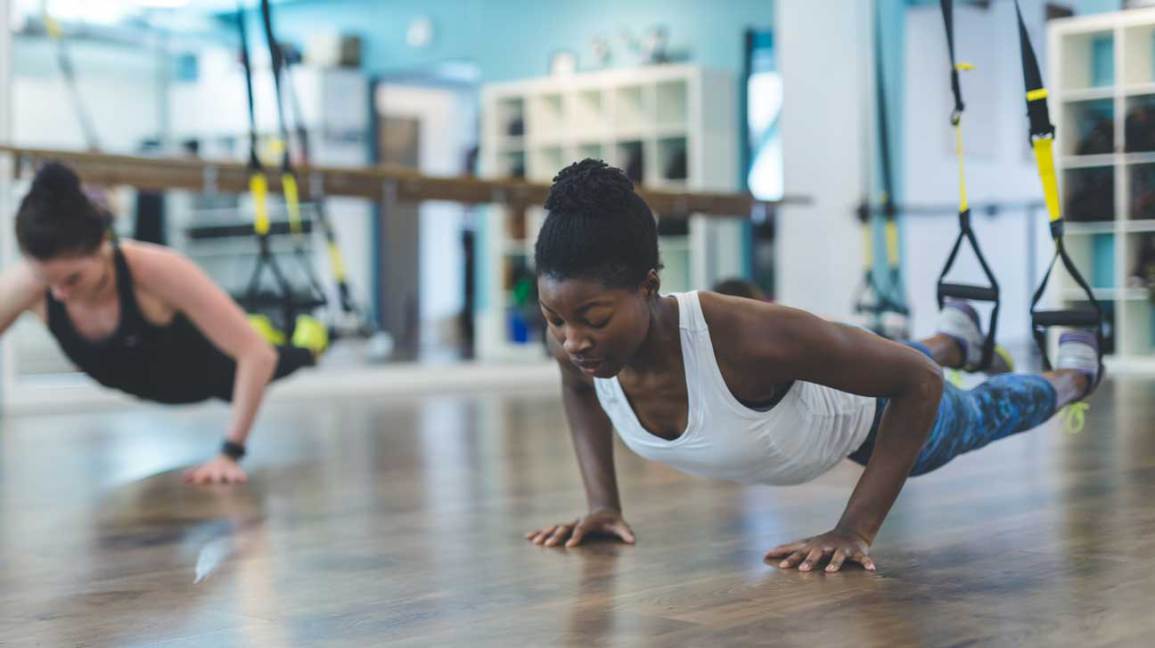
{"type": "Point", "coordinates": [902, 432]}
{"type": "Point", "coordinates": [596, 459]}
{"type": "Point", "coordinates": [593, 443]}
{"type": "Point", "coordinates": [254, 370]}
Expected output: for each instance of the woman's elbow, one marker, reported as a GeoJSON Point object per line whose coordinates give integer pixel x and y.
{"type": "Point", "coordinates": [260, 354]}
{"type": "Point", "coordinates": [927, 384]}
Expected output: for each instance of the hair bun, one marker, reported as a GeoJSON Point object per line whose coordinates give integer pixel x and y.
{"type": "Point", "coordinates": [56, 178]}
{"type": "Point", "coordinates": [591, 187]}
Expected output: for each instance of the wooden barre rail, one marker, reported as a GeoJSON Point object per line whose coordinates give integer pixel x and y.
{"type": "Point", "coordinates": [380, 183]}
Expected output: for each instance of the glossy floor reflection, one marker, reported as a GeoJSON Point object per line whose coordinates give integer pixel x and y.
{"type": "Point", "coordinates": [373, 522]}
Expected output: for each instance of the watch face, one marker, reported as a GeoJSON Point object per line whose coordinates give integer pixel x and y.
{"type": "Point", "coordinates": [563, 62]}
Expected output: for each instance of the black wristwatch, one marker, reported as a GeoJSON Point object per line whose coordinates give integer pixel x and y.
{"type": "Point", "coordinates": [233, 450]}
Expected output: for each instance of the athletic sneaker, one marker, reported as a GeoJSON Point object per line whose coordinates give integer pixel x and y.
{"type": "Point", "coordinates": [1079, 350]}
{"type": "Point", "coordinates": [309, 333]}
{"type": "Point", "coordinates": [960, 321]}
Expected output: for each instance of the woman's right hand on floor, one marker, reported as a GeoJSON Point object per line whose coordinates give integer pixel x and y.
{"type": "Point", "coordinates": [600, 523]}
{"type": "Point", "coordinates": [220, 470]}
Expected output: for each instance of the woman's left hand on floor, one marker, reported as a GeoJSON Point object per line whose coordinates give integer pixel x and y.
{"type": "Point", "coordinates": [837, 547]}
{"type": "Point", "coordinates": [220, 470]}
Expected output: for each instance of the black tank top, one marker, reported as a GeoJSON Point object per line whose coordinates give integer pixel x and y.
{"type": "Point", "coordinates": [171, 364]}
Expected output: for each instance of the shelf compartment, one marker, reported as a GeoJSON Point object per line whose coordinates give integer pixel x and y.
{"type": "Point", "coordinates": [1088, 127]}
{"type": "Point", "coordinates": [1089, 194]}
{"type": "Point", "coordinates": [1088, 60]}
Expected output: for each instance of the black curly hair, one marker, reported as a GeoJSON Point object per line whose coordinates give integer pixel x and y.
{"type": "Point", "coordinates": [56, 218]}
{"type": "Point", "coordinates": [597, 228]}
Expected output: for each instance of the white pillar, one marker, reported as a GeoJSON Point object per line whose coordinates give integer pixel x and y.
{"type": "Point", "coordinates": [822, 47]}
{"type": "Point", "coordinates": [6, 203]}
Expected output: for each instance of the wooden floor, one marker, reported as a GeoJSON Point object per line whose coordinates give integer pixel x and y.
{"type": "Point", "coordinates": [372, 522]}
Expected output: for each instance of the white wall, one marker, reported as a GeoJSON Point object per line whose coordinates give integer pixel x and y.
{"type": "Point", "coordinates": [998, 164]}
{"type": "Point", "coordinates": [216, 103]}
{"type": "Point", "coordinates": [120, 87]}
{"type": "Point", "coordinates": [819, 246]}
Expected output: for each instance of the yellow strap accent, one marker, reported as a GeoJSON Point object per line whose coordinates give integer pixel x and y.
{"type": "Point", "coordinates": [868, 243]}
{"type": "Point", "coordinates": [1036, 94]}
{"type": "Point", "coordinates": [264, 326]}
{"type": "Point", "coordinates": [309, 333]}
{"type": "Point", "coordinates": [292, 201]}
{"type": "Point", "coordinates": [955, 377]}
{"type": "Point", "coordinates": [53, 28]}
{"type": "Point", "coordinates": [892, 243]}
{"type": "Point", "coordinates": [1075, 416]}
{"type": "Point", "coordinates": [271, 147]}
{"type": "Point", "coordinates": [1045, 158]}
{"type": "Point", "coordinates": [337, 261]}
{"type": "Point", "coordinates": [963, 203]}
{"type": "Point", "coordinates": [259, 188]}
{"type": "Point", "coordinates": [964, 67]}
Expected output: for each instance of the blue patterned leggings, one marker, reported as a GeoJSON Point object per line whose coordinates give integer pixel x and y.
{"type": "Point", "coordinates": [969, 419]}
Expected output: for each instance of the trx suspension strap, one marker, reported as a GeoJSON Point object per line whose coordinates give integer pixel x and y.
{"type": "Point", "coordinates": [871, 297]}
{"type": "Point", "coordinates": [64, 60]}
{"type": "Point", "coordinates": [289, 186]}
{"type": "Point", "coordinates": [1042, 138]}
{"type": "Point", "coordinates": [317, 192]}
{"type": "Point", "coordinates": [988, 293]}
{"type": "Point", "coordinates": [259, 189]}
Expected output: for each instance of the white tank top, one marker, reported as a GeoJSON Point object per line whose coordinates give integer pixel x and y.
{"type": "Point", "coordinates": [808, 432]}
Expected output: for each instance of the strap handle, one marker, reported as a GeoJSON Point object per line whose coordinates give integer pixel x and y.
{"type": "Point", "coordinates": [986, 293]}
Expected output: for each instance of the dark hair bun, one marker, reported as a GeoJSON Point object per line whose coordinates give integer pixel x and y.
{"type": "Point", "coordinates": [597, 228]}
{"type": "Point", "coordinates": [57, 218]}
{"type": "Point", "coordinates": [590, 187]}
{"type": "Point", "coordinates": [56, 181]}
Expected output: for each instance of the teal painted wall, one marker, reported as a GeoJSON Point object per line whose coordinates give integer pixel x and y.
{"type": "Point", "coordinates": [513, 39]}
